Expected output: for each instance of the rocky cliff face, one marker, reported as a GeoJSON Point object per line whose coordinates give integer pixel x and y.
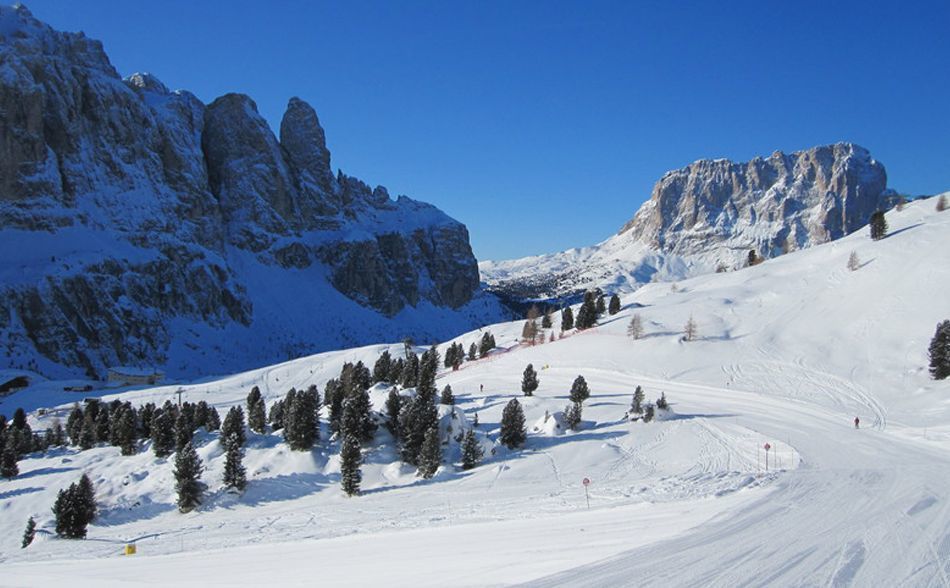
{"type": "Point", "coordinates": [708, 215]}
{"type": "Point", "coordinates": [137, 221]}
{"type": "Point", "coordinates": [773, 205]}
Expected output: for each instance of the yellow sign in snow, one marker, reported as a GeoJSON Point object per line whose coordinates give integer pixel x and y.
{"type": "Point", "coordinates": [130, 549]}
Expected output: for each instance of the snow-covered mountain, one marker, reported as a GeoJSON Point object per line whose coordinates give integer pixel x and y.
{"type": "Point", "coordinates": [787, 353]}
{"type": "Point", "coordinates": [707, 216]}
{"type": "Point", "coordinates": [140, 226]}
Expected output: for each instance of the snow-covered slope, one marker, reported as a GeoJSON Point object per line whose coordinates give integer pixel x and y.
{"type": "Point", "coordinates": [788, 352]}
{"type": "Point", "coordinates": [708, 216]}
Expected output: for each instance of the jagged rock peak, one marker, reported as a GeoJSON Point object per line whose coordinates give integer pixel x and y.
{"type": "Point", "coordinates": [305, 145]}
{"type": "Point", "coordinates": [777, 203]}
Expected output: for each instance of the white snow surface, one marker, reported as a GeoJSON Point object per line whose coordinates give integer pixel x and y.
{"type": "Point", "coordinates": [788, 353]}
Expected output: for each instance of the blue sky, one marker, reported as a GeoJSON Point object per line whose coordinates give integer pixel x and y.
{"type": "Point", "coordinates": [543, 125]}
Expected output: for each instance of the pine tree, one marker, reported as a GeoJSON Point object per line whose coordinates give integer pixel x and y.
{"type": "Point", "coordinates": [350, 460]}
{"type": "Point", "coordinates": [74, 424]}
{"type": "Point", "coordinates": [572, 415]}
{"type": "Point", "coordinates": [87, 435]}
{"type": "Point", "coordinates": [690, 330]}
{"type": "Point", "coordinates": [125, 431]}
{"type": "Point", "coordinates": [393, 406]}
{"type": "Point", "coordinates": [587, 315]}
{"type": "Point", "coordinates": [188, 470]}
{"type": "Point", "coordinates": [102, 425]}
{"type": "Point", "coordinates": [878, 226]}
{"type": "Point", "coordinates": [472, 451]}
{"type": "Point", "coordinates": [472, 352]}
{"type": "Point", "coordinates": [447, 397]}
{"type": "Point", "coordinates": [183, 431]}
{"type": "Point", "coordinates": [410, 371]}
{"type": "Point", "coordinates": [256, 414]}
{"type": "Point", "coordinates": [635, 327]}
{"type": "Point", "coordinates": [430, 456]}
{"type": "Point", "coordinates": [661, 403]}
{"type": "Point", "coordinates": [941, 203]}
{"type": "Point", "coordinates": [201, 415]}
{"type": "Point", "coordinates": [428, 366]}
{"type": "Point", "coordinates": [513, 432]}
{"type": "Point", "coordinates": [600, 306]}
{"type": "Point", "coordinates": [8, 459]}
{"type": "Point", "coordinates": [163, 434]}
{"type": "Point", "coordinates": [214, 419]}
{"type": "Point", "coordinates": [395, 371]}
{"type": "Point", "coordinates": [71, 514]}
{"type": "Point", "coordinates": [333, 394]}
{"type": "Point", "coordinates": [648, 412]}
{"type": "Point", "coordinates": [145, 413]}
{"type": "Point", "coordinates": [86, 498]}
{"type": "Point", "coordinates": [853, 262]}
{"type": "Point", "coordinates": [56, 434]}
{"type": "Point", "coordinates": [579, 390]}
{"type": "Point", "coordinates": [567, 319]}
{"type": "Point", "coordinates": [302, 429]}
{"type": "Point", "coordinates": [529, 381]}
{"type": "Point", "coordinates": [29, 534]}
{"type": "Point", "coordinates": [939, 352]}
{"type": "Point", "coordinates": [485, 345]}
{"type": "Point", "coordinates": [529, 333]}
{"type": "Point", "coordinates": [614, 306]}
{"type": "Point", "coordinates": [546, 319]}
{"type": "Point", "coordinates": [233, 428]}
{"type": "Point", "coordinates": [636, 406]}
{"type": "Point", "coordinates": [382, 367]}
{"type": "Point", "coordinates": [753, 259]}
{"type": "Point", "coordinates": [235, 474]}
{"type": "Point", "coordinates": [417, 416]}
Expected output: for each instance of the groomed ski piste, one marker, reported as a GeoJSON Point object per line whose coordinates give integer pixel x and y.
{"type": "Point", "coordinates": [788, 353]}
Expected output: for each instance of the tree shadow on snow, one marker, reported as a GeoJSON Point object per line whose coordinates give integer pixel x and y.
{"type": "Point", "coordinates": [19, 492]}
{"type": "Point", "coordinates": [899, 231]}
{"type": "Point", "coordinates": [44, 472]}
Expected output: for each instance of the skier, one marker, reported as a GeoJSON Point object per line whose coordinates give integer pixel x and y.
{"type": "Point", "coordinates": [857, 422]}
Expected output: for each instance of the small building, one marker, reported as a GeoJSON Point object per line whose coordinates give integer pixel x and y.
{"type": "Point", "coordinates": [15, 384]}
{"type": "Point", "coordinates": [133, 376]}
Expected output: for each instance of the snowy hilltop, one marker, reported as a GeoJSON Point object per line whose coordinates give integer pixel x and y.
{"type": "Point", "coordinates": [751, 471]}
{"type": "Point", "coordinates": [710, 215]}
{"type": "Point", "coordinates": [139, 226]}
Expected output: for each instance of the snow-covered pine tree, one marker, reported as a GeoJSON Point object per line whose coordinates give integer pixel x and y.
{"type": "Point", "coordinates": [70, 518]}
{"type": "Point", "coordinates": [214, 419]}
{"type": "Point", "coordinates": [350, 460]}
{"type": "Point", "coordinates": [256, 414]}
{"type": "Point", "coordinates": [635, 327]}
{"type": "Point", "coordinates": [188, 470]}
{"type": "Point", "coordinates": [614, 306]}
{"type": "Point", "coordinates": [235, 474]}
{"type": "Point", "coordinates": [201, 415]}
{"type": "Point", "coordinates": [878, 225]}
{"type": "Point", "coordinates": [102, 425]}
{"type": "Point", "coordinates": [233, 427]}
{"type": "Point", "coordinates": [395, 371]}
{"type": "Point", "coordinates": [472, 352]}
{"type": "Point", "coordinates": [87, 435]}
{"type": "Point", "coordinates": [939, 351]}
{"type": "Point", "coordinates": [29, 534]}
{"type": "Point", "coordinates": [572, 415]}
{"type": "Point", "coordinates": [567, 319]}
{"type": "Point", "coordinates": [430, 456]}
{"type": "Point", "coordinates": [163, 434]}
{"type": "Point", "coordinates": [600, 306]}
{"type": "Point", "coordinates": [529, 381]}
{"type": "Point", "coordinates": [333, 394]}
{"type": "Point", "coordinates": [447, 397]}
{"type": "Point", "coordinates": [472, 451]}
{"type": "Point", "coordinates": [579, 390]}
{"type": "Point", "coordinates": [661, 402]}
{"type": "Point", "coordinates": [428, 367]}
{"type": "Point", "coordinates": [491, 341]}
{"type": "Point", "coordinates": [853, 262]}
{"type": "Point", "coordinates": [8, 459]}
{"type": "Point", "coordinates": [513, 432]}
{"type": "Point", "coordinates": [690, 330]}
{"type": "Point", "coordinates": [417, 416]}
{"type": "Point", "coordinates": [362, 376]}
{"type": "Point", "coordinates": [381, 367]}
{"type": "Point", "coordinates": [485, 345]}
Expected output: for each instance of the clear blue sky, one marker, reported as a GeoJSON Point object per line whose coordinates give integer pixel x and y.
{"type": "Point", "coordinates": [543, 125]}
